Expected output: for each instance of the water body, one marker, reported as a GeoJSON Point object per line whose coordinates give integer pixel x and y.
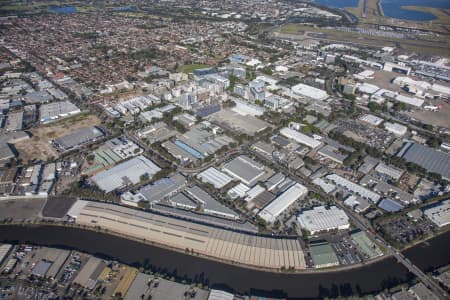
{"type": "Point", "coordinates": [338, 3]}
{"type": "Point", "coordinates": [367, 279]}
{"type": "Point", "coordinates": [392, 8]}
{"type": "Point", "coordinates": [64, 10]}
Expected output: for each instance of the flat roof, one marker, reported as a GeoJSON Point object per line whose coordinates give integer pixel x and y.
{"type": "Point", "coordinates": [215, 177]}
{"type": "Point", "coordinates": [439, 214]}
{"type": "Point", "coordinates": [300, 137]}
{"type": "Point", "coordinates": [323, 255]}
{"type": "Point", "coordinates": [126, 173]}
{"type": "Point", "coordinates": [79, 137]}
{"type": "Point", "coordinates": [162, 188]}
{"type": "Point", "coordinates": [282, 202]}
{"type": "Point", "coordinates": [322, 219]}
{"type": "Point", "coordinates": [431, 159]}
{"type": "Point", "coordinates": [245, 169]}
{"type": "Point", "coordinates": [390, 205]}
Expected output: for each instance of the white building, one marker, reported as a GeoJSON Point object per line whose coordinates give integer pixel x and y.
{"type": "Point", "coordinates": [439, 214]}
{"type": "Point", "coordinates": [309, 92]}
{"type": "Point", "coordinates": [300, 137]}
{"type": "Point", "coordinates": [322, 219]}
{"type": "Point", "coordinates": [354, 188]}
{"type": "Point", "coordinates": [395, 128]}
{"type": "Point", "coordinates": [215, 177]}
{"type": "Point", "coordinates": [371, 119]}
{"type": "Point", "coordinates": [282, 202]}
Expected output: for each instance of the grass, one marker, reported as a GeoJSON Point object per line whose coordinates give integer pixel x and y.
{"type": "Point", "coordinates": [431, 45]}
{"type": "Point", "coordinates": [190, 68]}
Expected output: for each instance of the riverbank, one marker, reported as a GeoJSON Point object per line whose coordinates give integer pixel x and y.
{"type": "Point", "coordinates": [365, 279]}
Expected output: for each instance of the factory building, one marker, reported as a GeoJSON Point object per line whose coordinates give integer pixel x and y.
{"type": "Point", "coordinates": [321, 219]}
{"type": "Point", "coordinates": [272, 211]}
{"type": "Point", "coordinates": [215, 177]}
{"type": "Point", "coordinates": [300, 137]}
{"type": "Point", "coordinates": [439, 214]}
{"type": "Point", "coordinates": [245, 170]}
{"type": "Point", "coordinates": [309, 92]}
{"type": "Point", "coordinates": [354, 188]}
{"type": "Point", "coordinates": [395, 128]}
{"type": "Point", "coordinates": [56, 110]}
{"type": "Point", "coordinates": [78, 138]}
{"type": "Point", "coordinates": [125, 174]}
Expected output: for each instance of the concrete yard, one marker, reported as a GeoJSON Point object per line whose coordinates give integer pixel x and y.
{"type": "Point", "coordinates": [21, 208]}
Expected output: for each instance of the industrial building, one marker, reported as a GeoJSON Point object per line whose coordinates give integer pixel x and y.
{"type": "Point", "coordinates": [390, 205]}
{"type": "Point", "coordinates": [395, 128]}
{"type": "Point", "coordinates": [300, 137]}
{"type": "Point", "coordinates": [215, 177]}
{"type": "Point", "coordinates": [245, 170]}
{"type": "Point", "coordinates": [431, 159]}
{"type": "Point", "coordinates": [309, 92]}
{"type": "Point", "coordinates": [162, 188]}
{"type": "Point", "coordinates": [79, 138]}
{"type": "Point", "coordinates": [321, 219]}
{"type": "Point", "coordinates": [354, 188]}
{"type": "Point", "coordinates": [282, 202]}
{"type": "Point", "coordinates": [332, 153]}
{"type": "Point", "coordinates": [371, 119]}
{"type": "Point", "coordinates": [57, 110]}
{"type": "Point", "coordinates": [439, 214]}
{"type": "Point", "coordinates": [237, 247]}
{"type": "Point", "coordinates": [389, 171]}
{"type": "Point", "coordinates": [391, 67]}
{"type": "Point", "coordinates": [125, 174]}
{"type": "Point", "coordinates": [211, 205]}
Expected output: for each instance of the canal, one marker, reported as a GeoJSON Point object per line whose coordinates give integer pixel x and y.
{"type": "Point", "coordinates": [362, 280]}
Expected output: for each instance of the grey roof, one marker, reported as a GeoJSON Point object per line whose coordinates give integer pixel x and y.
{"type": "Point", "coordinates": [138, 287]}
{"type": "Point", "coordinates": [163, 188]}
{"type": "Point", "coordinates": [126, 173]}
{"type": "Point", "coordinates": [79, 137]}
{"type": "Point", "coordinates": [245, 169]}
{"type": "Point", "coordinates": [181, 199]}
{"type": "Point", "coordinates": [390, 205]}
{"type": "Point", "coordinates": [41, 268]}
{"type": "Point", "coordinates": [208, 202]}
{"type": "Point", "coordinates": [6, 152]}
{"type": "Point", "coordinates": [431, 159]}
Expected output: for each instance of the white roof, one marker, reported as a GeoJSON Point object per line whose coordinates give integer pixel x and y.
{"type": "Point", "coordinates": [255, 191]}
{"type": "Point", "coordinates": [76, 208]}
{"type": "Point", "coordinates": [282, 202]}
{"type": "Point", "coordinates": [321, 219]}
{"type": "Point", "coordinates": [367, 88]}
{"type": "Point", "coordinates": [239, 190]}
{"type": "Point", "coordinates": [300, 137]}
{"type": "Point", "coordinates": [128, 172]}
{"type": "Point", "coordinates": [215, 177]}
{"type": "Point", "coordinates": [440, 214]}
{"type": "Point", "coordinates": [355, 188]}
{"type": "Point", "coordinates": [441, 89]}
{"type": "Point", "coordinates": [395, 128]}
{"type": "Point", "coordinates": [409, 100]}
{"type": "Point", "coordinates": [371, 119]}
{"type": "Point", "coordinates": [245, 108]}
{"type": "Point", "coordinates": [220, 295]}
{"type": "Point", "coordinates": [309, 91]}
{"type": "Point", "coordinates": [327, 187]}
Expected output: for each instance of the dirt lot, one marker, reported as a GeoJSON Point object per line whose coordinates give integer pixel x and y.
{"type": "Point", "coordinates": [39, 147]}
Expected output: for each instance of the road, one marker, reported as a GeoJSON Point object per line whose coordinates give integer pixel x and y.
{"type": "Point", "coordinates": [362, 223]}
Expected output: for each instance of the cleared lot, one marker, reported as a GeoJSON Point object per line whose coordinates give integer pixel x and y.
{"type": "Point", "coordinates": [39, 147]}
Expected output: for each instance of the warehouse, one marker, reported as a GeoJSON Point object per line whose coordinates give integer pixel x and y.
{"type": "Point", "coordinates": [227, 245]}
{"type": "Point", "coordinates": [389, 171]}
{"type": "Point", "coordinates": [371, 119]}
{"type": "Point", "coordinates": [409, 100]}
{"type": "Point", "coordinates": [56, 110]}
{"type": "Point", "coordinates": [354, 188]}
{"type": "Point", "coordinates": [309, 92]}
{"type": "Point", "coordinates": [215, 177]}
{"type": "Point", "coordinates": [390, 205]}
{"type": "Point", "coordinates": [282, 202]}
{"type": "Point", "coordinates": [4, 250]}
{"type": "Point", "coordinates": [300, 137]}
{"type": "Point", "coordinates": [332, 153]}
{"type": "Point", "coordinates": [239, 191]}
{"type": "Point", "coordinates": [245, 169]}
{"type": "Point", "coordinates": [209, 204]}
{"type": "Point", "coordinates": [125, 174]}
{"type": "Point", "coordinates": [78, 138]}
{"type": "Point", "coordinates": [439, 214]}
{"type": "Point", "coordinates": [395, 128]}
{"type": "Point", "coordinates": [432, 160]}
{"type": "Point", "coordinates": [321, 219]}
{"type": "Point", "coordinates": [162, 188]}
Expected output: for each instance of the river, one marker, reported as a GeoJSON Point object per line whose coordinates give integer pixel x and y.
{"type": "Point", "coordinates": [367, 279]}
